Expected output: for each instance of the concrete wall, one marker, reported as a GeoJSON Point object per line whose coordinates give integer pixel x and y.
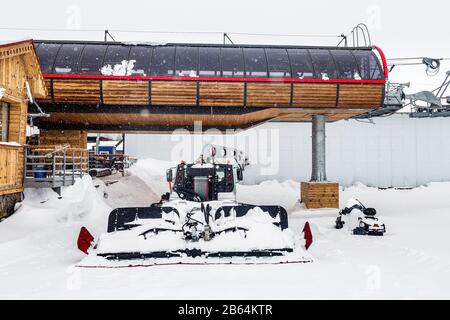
{"type": "Point", "coordinates": [395, 151]}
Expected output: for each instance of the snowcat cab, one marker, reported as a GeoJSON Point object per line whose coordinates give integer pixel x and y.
{"type": "Point", "coordinates": [203, 182]}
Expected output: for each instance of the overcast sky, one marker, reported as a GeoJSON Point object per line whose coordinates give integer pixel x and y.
{"type": "Point", "coordinates": [401, 28]}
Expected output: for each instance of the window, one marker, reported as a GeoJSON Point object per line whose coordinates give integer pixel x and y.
{"type": "Point", "coordinates": [278, 63]}
{"type": "Point", "coordinates": [142, 56]}
{"type": "Point", "coordinates": [323, 64]}
{"type": "Point", "coordinates": [301, 64]}
{"type": "Point", "coordinates": [115, 54]}
{"type": "Point", "coordinates": [4, 119]}
{"type": "Point", "coordinates": [92, 58]}
{"type": "Point", "coordinates": [232, 62]}
{"type": "Point", "coordinates": [347, 66]}
{"type": "Point", "coordinates": [162, 61]}
{"type": "Point", "coordinates": [47, 53]}
{"type": "Point", "coordinates": [209, 62]}
{"type": "Point", "coordinates": [68, 58]}
{"type": "Point", "coordinates": [186, 61]}
{"type": "Point", "coordinates": [255, 62]}
{"type": "Point", "coordinates": [369, 65]}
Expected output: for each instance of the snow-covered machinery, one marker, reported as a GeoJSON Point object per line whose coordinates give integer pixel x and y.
{"type": "Point", "coordinates": [360, 220]}
{"type": "Point", "coordinates": [198, 221]}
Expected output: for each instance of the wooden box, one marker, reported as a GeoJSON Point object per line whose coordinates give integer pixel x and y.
{"type": "Point", "coordinates": [319, 195]}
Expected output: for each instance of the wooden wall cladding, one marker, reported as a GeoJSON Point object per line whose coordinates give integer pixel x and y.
{"type": "Point", "coordinates": [11, 169]}
{"type": "Point", "coordinates": [360, 95]}
{"type": "Point", "coordinates": [48, 97]}
{"type": "Point", "coordinates": [17, 128]}
{"type": "Point", "coordinates": [124, 92]}
{"type": "Point", "coordinates": [75, 138]}
{"type": "Point", "coordinates": [216, 94]}
{"type": "Point", "coordinates": [174, 93]}
{"type": "Point", "coordinates": [76, 91]}
{"type": "Point", "coordinates": [314, 95]}
{"type": "Point", "coordinates": [13, 76]}
{"type": "Point", "coordinates": [318, 195]}
{"type": "Point", "coordinates": [268, 94]}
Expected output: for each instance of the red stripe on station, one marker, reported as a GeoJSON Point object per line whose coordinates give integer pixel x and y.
{"type": "Point", "coordinates": [218, 79]}
{"type": "Point", "coordinates": [384, 60]}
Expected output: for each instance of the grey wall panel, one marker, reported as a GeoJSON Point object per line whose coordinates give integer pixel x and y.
{"type": "Point", "coordinates": [395, 151]}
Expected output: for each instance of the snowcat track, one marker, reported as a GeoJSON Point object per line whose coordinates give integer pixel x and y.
{"type": "Point", "coordinates": [194, 253]}
{"type": "Point", "coordinates": [208, 263]}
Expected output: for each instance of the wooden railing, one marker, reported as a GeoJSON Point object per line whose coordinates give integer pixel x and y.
{"type": "Point", "coordinates": [54, 166]}
{"type": "Point", "coordinates": [11, 168]}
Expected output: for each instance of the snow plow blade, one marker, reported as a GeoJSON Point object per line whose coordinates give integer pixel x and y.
{"type": "Point", "coordinates": [127, 218]}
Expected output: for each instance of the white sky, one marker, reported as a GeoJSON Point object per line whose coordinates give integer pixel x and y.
{"type": "Point", "coordinates": [400, 28]}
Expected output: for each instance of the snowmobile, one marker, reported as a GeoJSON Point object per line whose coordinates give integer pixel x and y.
{"type": "Point", "coordinates": [360, 220]}
{"type": "Point", "coordinates": [197, 221]}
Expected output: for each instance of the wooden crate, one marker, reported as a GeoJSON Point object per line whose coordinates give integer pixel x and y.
{"type": "Point", "coordinates": [318, 195]}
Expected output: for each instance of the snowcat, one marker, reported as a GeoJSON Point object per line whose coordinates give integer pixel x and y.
{"type": "Point", "coordinates": [198, 221]}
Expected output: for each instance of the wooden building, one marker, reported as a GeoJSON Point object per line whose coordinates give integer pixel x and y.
{"type": "Point", "coordinates": [18, 65]}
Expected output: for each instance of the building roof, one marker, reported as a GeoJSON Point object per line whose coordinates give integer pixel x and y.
{"type": "Point", "coordinates": [26, 51]}
{"type": "Point", "coordinates": [209, 60]}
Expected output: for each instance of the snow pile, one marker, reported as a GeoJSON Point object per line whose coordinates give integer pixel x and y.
{"type": "Point", "coordinates": [285, 194]}
{"type": "Point", "coordinates": [126, 191]}
{"type": "Point", "coordinates": [125, 68]}
{"type": "Point", "coordinates": [153, 173]}
{"type": "Point", "coordinates": [2, 92]}
{"type": "Point", "coordinates": [43, 210]}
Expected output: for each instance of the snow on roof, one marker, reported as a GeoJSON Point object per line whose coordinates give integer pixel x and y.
{"type": "Point", "coordinates": [12, 144]}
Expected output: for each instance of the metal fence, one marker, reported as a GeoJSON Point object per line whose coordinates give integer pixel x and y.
{"type": "Point", "coordinates": [54, 166]}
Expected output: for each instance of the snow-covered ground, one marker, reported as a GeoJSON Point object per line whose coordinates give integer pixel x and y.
{"type": "Point", "coordinates": [38, 247]}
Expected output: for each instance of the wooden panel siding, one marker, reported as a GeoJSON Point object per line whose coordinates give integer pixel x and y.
{"type": "Point", "coordinates": [174, 93]}
{"type": "Point", "coordinates": [75, 138]}
{"type": "Point", "coordinates": [48, 97]}
{"type": "Point", "coordinates": [11, 169]}
{"type": "Point", "coordinates": [218, 94]}
{"type": "Point", "coordinates": [123, 92]}
{"type": "Point", "coordinates": [314, 95]}
{"type": "Point", "coordinates": [12, 76]}
{"type": "Point", "coordinates": [77, 91]}
{"type": "Point", "coordinates": [360, 95]}
{"type": "Point", "coordinates": [17, 122]}
{"type": "Point", "coordinates": [268, 94]}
